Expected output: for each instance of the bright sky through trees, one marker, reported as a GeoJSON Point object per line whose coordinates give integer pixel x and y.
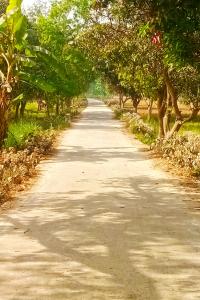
{"type": "Point", "coordinates": [29, 3]}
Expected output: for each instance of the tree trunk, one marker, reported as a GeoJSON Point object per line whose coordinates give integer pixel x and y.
{"type": "Point", "coordinates": [62, 106]}
{"type": "Point", "coordinates": [167, 117]}
{"type": "Point", "coordinates": [48, 109]}
{"type": "Point", "coordinates": [195, 111]}
{"type": "Point", "coordinates": [121, 100]}
{"type": "Point", "coordinates": [124, 101]}
{"type": "Point", "coordinates": [135, 103]}
{"type": "Point", "coordinates": [174, 99]}
{"type": "Point", "coordinates": [57, 107]}
{"type": "Point", "coordinates": [3, 116]}
{"type": "Point", "coordinates": [195, 108]}
{"type": "Point", "coordinates": [175, 128]}
{"type": "Point", "coordinates": [161, 106]}
{"type": "Point", "coordinates": [22, 109]}
{"type": "Point", "coordinates": [150, 107]}
{"type": "Point", "coordinates": [17, 111]}
{"type": "Point", "coordinates": [69, 103]}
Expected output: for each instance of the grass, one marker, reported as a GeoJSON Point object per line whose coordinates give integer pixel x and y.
{"type": "Point", "coordinates": [19, 131]}
{"type": "Point", "coordinates": [32, 107]}
{"type": "Point", "coordinates": [192, 126]}
{"type": "Point", "coordinates": [145, 139]}
{"type": "Point", "coordinates": [33, 123]}
{"type": "Point", "coordinates": [52, 122]}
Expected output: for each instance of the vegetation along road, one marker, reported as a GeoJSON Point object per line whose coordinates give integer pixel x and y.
{"type": "Point", "coordinates": [100, 223]}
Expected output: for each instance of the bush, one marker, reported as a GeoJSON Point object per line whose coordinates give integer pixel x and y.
{"type": "Point", "coordinates": [137, 126]}
{"type": "Point", "coordinates": [183, 151]}
{"type": "Point", "coordinates": [57, 122]}
{"type": "Point", "coordinates": [27, 142]}
{"type": "Point", "coordinates": [112, 102]}
{"type": "Point", "coordinates": [16, 165]}
{"type": "Point", "coordinates": [118, 112]}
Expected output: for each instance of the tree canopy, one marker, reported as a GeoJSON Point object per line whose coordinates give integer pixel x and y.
{"type": "Point", "coordinates": [148, 48]}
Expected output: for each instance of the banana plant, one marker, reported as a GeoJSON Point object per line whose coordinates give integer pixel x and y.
{"type": "Point", "coordinates": [12, 43]}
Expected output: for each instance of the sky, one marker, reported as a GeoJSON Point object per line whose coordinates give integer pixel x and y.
{"type": "Point", "coordinates": [29, 3]}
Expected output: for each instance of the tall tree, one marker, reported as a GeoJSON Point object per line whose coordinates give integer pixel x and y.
{"type": "Point", "coordinates": [12, 41]}
{"type": "Point", "coordinates": [156, 40]}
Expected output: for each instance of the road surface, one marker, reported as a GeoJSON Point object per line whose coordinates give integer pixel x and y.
{"type": "Point", "coordinates": [100, 223]}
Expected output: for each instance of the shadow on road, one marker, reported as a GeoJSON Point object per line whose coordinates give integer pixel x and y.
{"type": "Point", "coordinates": [96, 155]}
{"type": "Point", "coordinates": [131, 243]}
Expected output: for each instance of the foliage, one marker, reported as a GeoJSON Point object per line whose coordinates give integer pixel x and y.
{"type": "Point", "coordinates": [98, 88]}
{"type": "Point", "coordinates": [183, 151]}
{"type": "Point", "coordinates": [12, 45]}
{"type": "Point", "coordinates": [39, 60]}
{"type": "Point", "coordinates": [17, 166]}
{"type": "Point", "coordinates": [180, 150]}
{"type": "Point", "coordinates": [192, 126]}
{"type": "Point", "coordinates": [19, 132]}
{"type": "Point", "coordinates": [145, 48]}
{"type": "Point", "coordinates": [138, 127]}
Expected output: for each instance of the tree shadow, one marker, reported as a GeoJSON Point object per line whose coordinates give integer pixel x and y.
{"type": "Point", "coordinates": [95, 155]}
{"type": "Point", "coordinates": [136, 241]}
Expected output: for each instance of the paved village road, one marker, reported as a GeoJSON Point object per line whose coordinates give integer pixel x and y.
{"type": "Point", "coordinates": [100, 223]}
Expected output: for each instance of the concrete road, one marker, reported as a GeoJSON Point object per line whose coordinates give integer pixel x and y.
{"type": "Point", "coordinates": [101, 223]}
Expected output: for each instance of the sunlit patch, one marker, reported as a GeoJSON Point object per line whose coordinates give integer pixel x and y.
{"type": "Point", "coordinates": [109, 217]}
{"type": "Point", "coordinates": [94, 249]}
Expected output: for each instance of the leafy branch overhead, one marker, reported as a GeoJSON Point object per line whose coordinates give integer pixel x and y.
{"type": "Point", "coordinates": [40, 55]}
{"type": "Point", "coordinates": [146, 49]}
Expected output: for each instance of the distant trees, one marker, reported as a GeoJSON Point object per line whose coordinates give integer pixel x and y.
{"type": "Point", "coordinates": [148, 49]}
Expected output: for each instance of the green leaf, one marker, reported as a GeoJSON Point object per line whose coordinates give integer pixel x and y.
{"type": "Point", "coordinates": [38, 82]}
{"type": "Point", "coordinates": [18, 24]}
{"type": "Point", "coordinates": [2, 21]}
{"type": "Point", "coordinates": [5, 18]}
{"type": "Point", "coordinates": [19, 29]}
{"type": "Point", "coordinates": [18, 98]}
{"type": "Point", "coordinates": [14, 4]}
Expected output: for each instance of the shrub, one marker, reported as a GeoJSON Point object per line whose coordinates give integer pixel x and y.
{"type": "Point", "coordinates": [137, 126]}
{"type": "Point", "coordinates": [16, 165]}
{"type": "Point", "coordinates": [183, 151]}
{"type": "Point", "coordinates": [112, 102]}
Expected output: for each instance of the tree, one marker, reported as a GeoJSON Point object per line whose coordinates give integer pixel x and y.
{"type": "Point", "coordinates": [155, 41]}
{"type": "Point", "coordinates": [40, 58]}
{"type": "Point", "coordinates": [4, 4]}
{"type": "Point", "coordinates": [12, 42]}
{"type": "Point", "coordinates": [73, 73]}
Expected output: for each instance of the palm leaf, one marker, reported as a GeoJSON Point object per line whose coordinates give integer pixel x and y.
{"type": "Point", "coordinates": [38, 82]}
